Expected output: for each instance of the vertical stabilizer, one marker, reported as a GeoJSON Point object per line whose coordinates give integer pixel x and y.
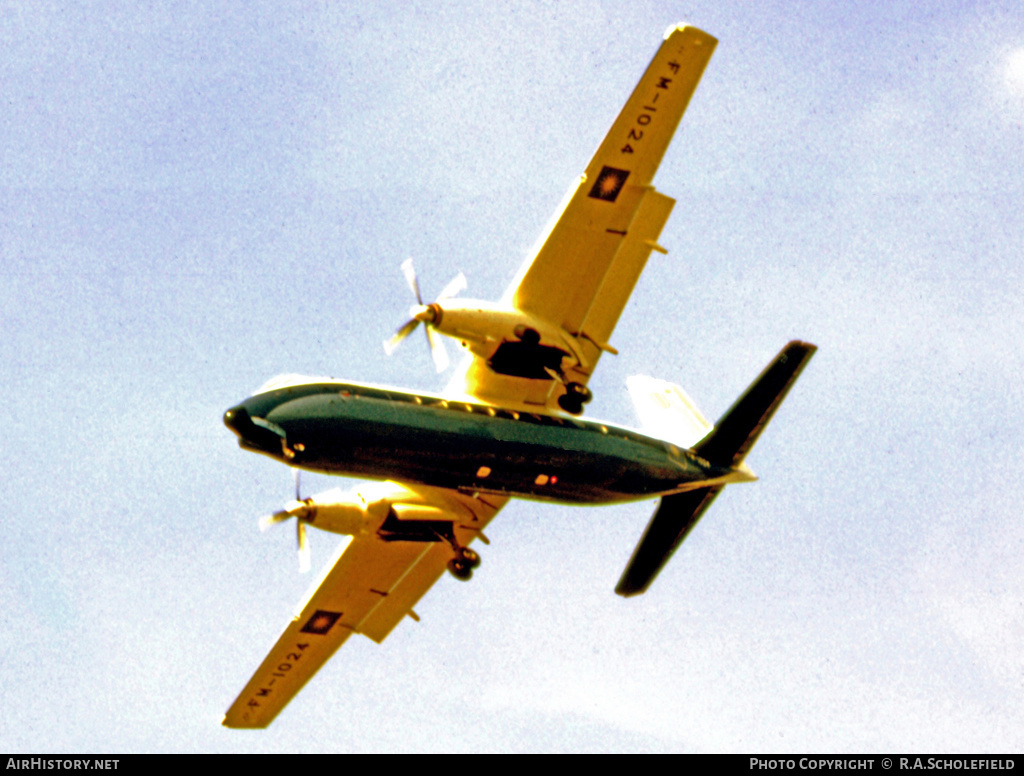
{"type": "Point", "coordinates": [666, 412]}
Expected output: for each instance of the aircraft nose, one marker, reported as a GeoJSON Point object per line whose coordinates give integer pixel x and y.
{"type": "Point", "coordinates": [237, 418]}
{"type": "Point", "coordinates": [255, 433]}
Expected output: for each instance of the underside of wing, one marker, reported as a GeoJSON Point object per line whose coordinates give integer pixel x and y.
{"type": "Point", "coordinates": [372, 583]}
{"type": "Point", "coordinates": [587, 263]}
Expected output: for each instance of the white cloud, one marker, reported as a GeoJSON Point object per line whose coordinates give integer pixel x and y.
{"type": "Point", "coordinates": [1013, 72]}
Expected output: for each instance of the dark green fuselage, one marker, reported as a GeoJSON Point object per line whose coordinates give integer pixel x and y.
{"type": "Point", "coordinates": [351, 429]}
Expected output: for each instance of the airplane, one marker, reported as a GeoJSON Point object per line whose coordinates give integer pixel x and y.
{"type": "Point", "coordinates": [509, 423]}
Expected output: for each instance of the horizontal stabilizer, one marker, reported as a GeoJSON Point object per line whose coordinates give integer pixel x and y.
{"type": "Point", "coordinates": [739, 428]}
{"type": "Point", "coordinates": [726, 445]}
{"type": "Point", "coordinates": [675, 517]}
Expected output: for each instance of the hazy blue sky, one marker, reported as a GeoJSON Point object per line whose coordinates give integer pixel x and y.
{"type": "Point", "coordinates": [195, 197]}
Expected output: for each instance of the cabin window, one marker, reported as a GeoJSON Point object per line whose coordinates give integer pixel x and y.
{"type": "Point", "coordinates": [542, 479]}
{"type": "Point", "coordinates": [483, 471]}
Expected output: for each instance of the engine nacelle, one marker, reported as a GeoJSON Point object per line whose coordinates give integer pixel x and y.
{"type": "Point", "coordinates": [364, 510]}
{"type": "Point", "coordinates": [483, 326]}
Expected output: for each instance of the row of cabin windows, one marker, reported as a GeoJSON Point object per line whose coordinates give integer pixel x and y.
{"type": "Point", "coordinates": [494, 412]}
{"type": "Point", "coordinates": [350, 391]}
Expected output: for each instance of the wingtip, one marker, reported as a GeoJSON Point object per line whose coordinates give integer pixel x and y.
{"type": "Point", "coordinates": [230, 726]}
{"type": "Point", "coordinates": [628, 592]}
{"type": "Point", "coordinates": [683, 26]}
{"type": "Point", "coordinates": [803, 350]}
{"type": "Point", "coordinates": [810, 347]}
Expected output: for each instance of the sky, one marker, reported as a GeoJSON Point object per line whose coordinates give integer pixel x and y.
{"type": "Point", "coordinates": [195, 197]}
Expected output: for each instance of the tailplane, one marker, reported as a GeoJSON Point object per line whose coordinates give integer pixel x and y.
{"type": "Point", "coordinates": [726, 445]}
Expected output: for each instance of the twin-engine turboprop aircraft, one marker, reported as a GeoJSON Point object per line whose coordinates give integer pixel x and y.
{"type": "Point", "coordinates": [508, 424]}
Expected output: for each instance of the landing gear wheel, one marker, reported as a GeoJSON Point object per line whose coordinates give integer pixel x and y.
{"type": "Point", "coordinates": [570, 404]}
{"type": "Point", "coordinates": [468, 557]}
{"type": "Point", "coordinates": [575, 396]}
{"type": "Point", "coordinates": [460, 569]}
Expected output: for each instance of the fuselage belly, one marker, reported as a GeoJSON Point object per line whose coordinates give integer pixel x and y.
{"type": "Point", "coordinates": [347, 429]}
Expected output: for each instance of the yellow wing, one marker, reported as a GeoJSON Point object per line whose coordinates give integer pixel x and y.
{"type": "Point", "coordinates": [589, 260]}
{"type": "Point", "coordinates": [368, 587]}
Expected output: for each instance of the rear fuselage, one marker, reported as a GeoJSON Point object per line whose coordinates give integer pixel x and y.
{"type": "Point", "coordinates": [381, 433]}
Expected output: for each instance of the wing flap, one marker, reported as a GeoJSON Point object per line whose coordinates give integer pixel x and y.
{"type": "Point", "coordinates": [608, 302]}
{"type": "Point", "coordinates": [429, 567]}
{"type": "Point", "coordinates": [406, 593]}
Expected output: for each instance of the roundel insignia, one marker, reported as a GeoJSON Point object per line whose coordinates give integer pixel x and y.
{"type": "Point", "coordinates": [609, 183]}
{"type": "Point", "coordinates": [321, 622]}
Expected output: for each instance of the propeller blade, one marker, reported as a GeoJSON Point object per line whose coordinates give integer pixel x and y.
{"type": "Point", "coordinates": [274, 519]}
{"type": "Point", "coordinates": [455, 286]}
{"type": "Point", "coordinates": [302, 511]}
{"type": "Point", "coordinates": [396, 339]}
{"type": "Point", "coordinates": [426, 314]}
{"type": "Point", "coordinates": [437, 350]}
{"type": "Point", "coordinates": [410, 277]}
{"type": "Point", "coordinates": [304, 563]}
{"type": "Point", "coordinates": [299, 509]}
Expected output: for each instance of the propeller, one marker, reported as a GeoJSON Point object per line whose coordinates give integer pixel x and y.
{"type": "Point", "coordinates": [425, 314]}
{"type": "Point", "coordinates": [301, 510]}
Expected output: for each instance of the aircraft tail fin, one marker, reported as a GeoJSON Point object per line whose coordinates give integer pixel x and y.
{"type": "Point", "coordinates": [726, 445]}
{"type": "Point", "coordinates": [666, 411]}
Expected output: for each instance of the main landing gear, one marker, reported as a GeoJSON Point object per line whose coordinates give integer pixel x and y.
{"type": "Point", "coordinates": [462, 565]}
{"type": "Point", "coordinates": [395, 530]}
{"type": "Point", "coordinates": [526, 357]}
{"type": "Point", "coordinates": [575, 396]}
